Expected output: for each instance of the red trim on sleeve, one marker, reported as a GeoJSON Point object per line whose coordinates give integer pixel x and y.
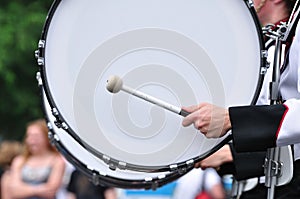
{"type": "Point", "coordinates": [281, 121]}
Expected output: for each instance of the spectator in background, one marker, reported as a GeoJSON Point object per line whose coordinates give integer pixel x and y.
{"type": "Point", "coordinates": [38, 172]}
{"type": "Point", "coordinates": [198, 181]}
{"type": "Point", "coordinates": [80, 187]}
{"type": "Point", "coordinates": [8, 151]}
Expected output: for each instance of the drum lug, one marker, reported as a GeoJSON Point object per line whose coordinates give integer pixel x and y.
{"type": "Point", "coordinates": [60, 124]}
{"type": "Point", "coordinates": [264, 69]}
{"type": "Point", "coordinates": [52, 137]}
{"type": "Point", "coordinates": [65, 126]}
{"type": "Point", "coordinates": [95, 179]}
{"type": "Point", "coordinates": [264, 55]}
{"type": "Point", "coordinates": [148, 179]}
{"type": "Point", "coordinates": [250, 3]}
{"type": "Point", "coordinates": [190, 163]}
{"type": "Point", "coordinates": [42, 44]}
{"type": "Point", "coordinates": [106, 159]}
{"type": "Point", "coordinates": [49, 126]}
{"type": "Point", "coordinates": [55, 112]}
{"type": "Point", "coordinates": [40, 59]}
{"type": "Point", "coordinates": [122, 165]}
{"type": "Point", "coordinates": [39, 78]}
{"type": "Point", "coordinates": [173, 167]}
{"type": "Point", "coordinates": [154, 186]}
{"type": "Point", "coordinates": [161, 177]}
{"type": "Point", "coordinates": [180, 170]}
{"type": "Point", "coordinates": [111, 165]}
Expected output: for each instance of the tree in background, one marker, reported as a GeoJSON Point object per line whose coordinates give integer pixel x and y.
{"type": "Point", "coordinates": [21, 24]}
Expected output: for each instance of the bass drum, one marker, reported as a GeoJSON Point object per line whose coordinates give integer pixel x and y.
{"type": "Point", "coordinates": [182, 52]}
{"type": "Point", "coordinates": [94, 168]}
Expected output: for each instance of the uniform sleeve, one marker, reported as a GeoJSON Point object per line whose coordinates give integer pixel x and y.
{"type": "Point", "coordinates": [255, 128]}
{"type": "Point", "coordinates": [248, 165]}
{"type": "Point", "coordinates": [289, 132]}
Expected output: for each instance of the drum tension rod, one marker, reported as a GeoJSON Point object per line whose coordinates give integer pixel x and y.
{"type": "Point", "coordinates": [39, 58]}
{"type": "Point", "coordinates": [113, 164]}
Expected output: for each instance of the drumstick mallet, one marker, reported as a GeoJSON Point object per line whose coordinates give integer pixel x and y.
{"type": "Point", "coordinates": [115, 84]}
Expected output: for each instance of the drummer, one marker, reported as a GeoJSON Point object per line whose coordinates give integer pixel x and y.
{"type": "Point", "coordinates": [256, 128]}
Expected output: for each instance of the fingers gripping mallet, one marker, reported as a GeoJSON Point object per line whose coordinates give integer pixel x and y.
{"type": "Point", "coordinates": [115, 84]}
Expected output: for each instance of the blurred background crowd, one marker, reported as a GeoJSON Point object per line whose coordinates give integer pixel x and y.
{"type": "Point", "coordinates": [35, 169]}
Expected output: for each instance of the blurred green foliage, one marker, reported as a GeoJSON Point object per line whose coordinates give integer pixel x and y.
{"type": "Point", "coordinates": [21, 24]}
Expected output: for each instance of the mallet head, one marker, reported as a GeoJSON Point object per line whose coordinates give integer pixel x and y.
{"type": "Point", "coordinates": [114, 84]}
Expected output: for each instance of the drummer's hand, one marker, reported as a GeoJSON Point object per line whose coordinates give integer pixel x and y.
{"type": "Point", "coordinates": [215, 160]}
{"type": "Point", "coordinates": [211, 120]}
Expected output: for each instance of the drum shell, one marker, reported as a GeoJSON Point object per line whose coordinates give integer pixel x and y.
{"type": "Point", "coordinates": [55, 92]}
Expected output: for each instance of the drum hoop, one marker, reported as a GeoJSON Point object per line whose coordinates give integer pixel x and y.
{"type": "Point", "coordinates": [114, 163]}
{"type": "Point", "coordinates": [263, 51]}
{"type": "Point", "coordinates": [97, 178]}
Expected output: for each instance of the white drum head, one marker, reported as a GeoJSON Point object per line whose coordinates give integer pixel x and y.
{"type": "Point", "coordinates": [182, 52]}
